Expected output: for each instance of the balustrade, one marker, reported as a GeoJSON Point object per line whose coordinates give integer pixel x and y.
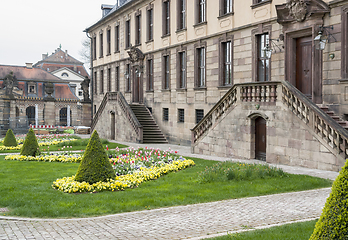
{"type": "Point", "coordinates": [266, 92]}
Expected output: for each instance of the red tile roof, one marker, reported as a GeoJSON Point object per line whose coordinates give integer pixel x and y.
{"type": "Point", "coordinates": [28, 74]}
{"type": "Point", "coordinates": [62, 91]}
{"type": "Point", "coordinates": [60, 59]}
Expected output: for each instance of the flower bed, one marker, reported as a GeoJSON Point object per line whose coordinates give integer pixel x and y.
{"type": "Point", "coordinates": [68, 185]}
{"type": "Point", "coordinates": [45, 142]}
{"type": "Point", "coordinates": [46, 158]}
{"type": "Point", "coordinates": [132, 167]}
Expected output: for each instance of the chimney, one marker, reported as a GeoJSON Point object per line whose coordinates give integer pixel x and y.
{"type": "Point", "coordinates": [44, 56]}
{"type": "Point", "coordinates": [29, 65]}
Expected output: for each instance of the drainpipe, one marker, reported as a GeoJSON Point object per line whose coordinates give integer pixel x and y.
{"type": "Point", "coordinates": [91, 84]}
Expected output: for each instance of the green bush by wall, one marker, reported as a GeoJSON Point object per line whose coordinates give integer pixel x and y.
{"type": "Point", "coordinates": [95, 165]}
{"type": "Point", "coordinates": [10, 139]}
{"type": "Point", "coordinates": [333, 221]}
{"type": "Point", "coordinates": [30, 146]}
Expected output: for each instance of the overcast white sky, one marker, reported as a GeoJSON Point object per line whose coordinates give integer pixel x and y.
{"type": "Point", "coordinates": [29, 28]}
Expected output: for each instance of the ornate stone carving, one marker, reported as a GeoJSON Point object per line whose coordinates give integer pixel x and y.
{"type": "Point", "coordinates": [85, 89]}
{"type": "Point", "coordinates": [297, 9]}
{"type": "Point", "coordinates": [135, 54]}
{"type": "Point", "coordinates": [10, 81]}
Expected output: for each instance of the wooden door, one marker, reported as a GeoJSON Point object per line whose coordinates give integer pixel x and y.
{"type": "Point", "coordinates": [113, 122]}
{"type": "Point", "coordinates": [260, 138]}
{"type": "Point", "coordinates": [304, 65]}
{"type": "Point", "coordinates": [137, 86]}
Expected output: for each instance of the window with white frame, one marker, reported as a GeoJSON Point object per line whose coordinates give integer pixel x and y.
{"type": "Point", "coordinates": [166, 17]}
{"type": "Point", "coordinates": [181, 14]}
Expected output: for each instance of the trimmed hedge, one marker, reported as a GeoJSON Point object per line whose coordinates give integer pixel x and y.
{"type": "Point", "coordinates": [95, 165]}
{"type": "Point", "coordinates": [10, 139]}
{"type": "Point", "coordinates": [30, 145]}
{"type": "Point", "coordinates": [333, 222]}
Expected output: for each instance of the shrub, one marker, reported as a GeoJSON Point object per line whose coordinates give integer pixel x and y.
{"type": "Point", "coordinates": [333, 222]}
{"type": "Point", "coordinates": [237, 171]}
{"type": "Point", "coordinates": [30, 145]}
{"type": "Point", "coordinates": [10, 139]}
{"type": "Point", "coordinates": [95, 165]}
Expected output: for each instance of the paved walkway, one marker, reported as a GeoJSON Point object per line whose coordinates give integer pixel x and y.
{"type": "Point", "coordinates": [197, 221]}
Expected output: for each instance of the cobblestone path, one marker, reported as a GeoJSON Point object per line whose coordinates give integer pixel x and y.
{"type": "Point", "coordinates": [195, 221]}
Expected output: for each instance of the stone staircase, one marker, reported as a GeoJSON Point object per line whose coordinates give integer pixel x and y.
{"type": "Point", "coordinates": [151, 131]}
{"type": "Point", "coordinates": [333, 115]}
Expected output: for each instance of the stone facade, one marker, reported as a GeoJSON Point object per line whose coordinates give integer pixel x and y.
{"type": "Point", "coordinates": [247, 28]}
{"type": "Point", "coordinates": [289, 141]}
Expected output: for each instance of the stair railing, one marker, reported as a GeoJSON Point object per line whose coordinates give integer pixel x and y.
{"type": "Point", "coordinates": [269, 93]}
{"type": "Point", "coordinates": [100, 110]}
{"type": "Point", "coordinates": [137, 127]}
{"type": "Point", "coordinates": [257, 92]}
{"type": "Point", "coordinates": [314, 117]}
{"type": "Point", "coordinates": [119, 98]}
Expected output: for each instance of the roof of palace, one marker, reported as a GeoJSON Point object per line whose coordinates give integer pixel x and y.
{"type": "Point", "coordinates": [28, 74]}
{"type": "Point", "coordinates": [60, 59]}
{"type": "Point", "coordinates": [119, 4]}
{"type": "Point", "coordinates": [24, 74]}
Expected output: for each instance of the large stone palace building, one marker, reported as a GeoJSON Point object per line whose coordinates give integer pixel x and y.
{"type": "Point", "coordinates": [264, 79]}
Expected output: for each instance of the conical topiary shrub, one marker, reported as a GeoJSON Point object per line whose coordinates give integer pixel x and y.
{"type": "Point", "coordinates": [95, 165]}
{"type": "Point", "coordinates": [333, 222]}
{"type": "Point", "coordinates": [10, 139]}
{"type": "Point", "coordinates": [30, 146]}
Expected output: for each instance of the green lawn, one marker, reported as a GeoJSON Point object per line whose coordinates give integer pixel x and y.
{"type": "Point", "coordinates": [26, 190]}
{"type": "Point", "coordinates": [294, 231]}
{"type": "Point", "coordinates": [79, 144]}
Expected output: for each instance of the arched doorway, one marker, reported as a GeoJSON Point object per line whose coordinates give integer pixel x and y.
{"type": "Point", "coordinates": [113, 122]}
{"type": "Point", "coordinates": [30, 112]}
{"type": "Point", "coordinates": [260, 138]}
{"type": "Point", "coordinates": [63, 116]}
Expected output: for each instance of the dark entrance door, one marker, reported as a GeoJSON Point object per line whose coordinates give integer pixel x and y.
{"type": "Point", "coordinates": [30, 112]}
{"type": "Point", "coordinates": [304, 65]}
{"type": "Point", "coordinates": [138, 86]}
{"type": "Point", "coordinates": [63, 116]}
{"type": "Point", "coordinates": [260, 138]}
{"type": "Point", "coordinates": [113, 122]}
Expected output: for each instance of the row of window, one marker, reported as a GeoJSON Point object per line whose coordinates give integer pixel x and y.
{"type": "Point", "coordinates": [200, 70]}
{"type": "Point", "coordinates": [262, 67]}
{"type": "Point", "coordinates": [225, 8]}
{"type": "Point", "coordinates": [199, 114]}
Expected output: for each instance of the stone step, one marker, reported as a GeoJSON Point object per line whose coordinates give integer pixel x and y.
{"type": "Point", "coordinates": [151, 132]}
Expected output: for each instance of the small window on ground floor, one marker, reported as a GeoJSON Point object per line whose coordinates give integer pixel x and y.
{"type": "Point", "coordinates": [165, 114]}
{"type": "Point", "coordinates": [199, 115]}
{"type": "Point", "coordinates": [181, 115]}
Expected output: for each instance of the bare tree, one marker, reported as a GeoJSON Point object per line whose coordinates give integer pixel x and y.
{"type": "Point", "coordinates": [85, 52]}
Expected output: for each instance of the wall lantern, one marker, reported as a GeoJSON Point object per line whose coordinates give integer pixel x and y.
{"type": "Point", "coordinates": [323, 37]}
{"type": "Point", "coordinates": [270, 47]}
{"type": "Point", "coordinates": [139, 70]}
{"type": "Point", "coordinates": [320, 41]}
{"type": "Point", "coordinates": [126, 75]}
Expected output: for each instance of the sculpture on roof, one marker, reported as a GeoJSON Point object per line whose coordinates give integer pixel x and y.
{"type": "Point", "coordinates": [49, 89]}
{"type": "Point", "coordinates": [85, 89]}
{"type": "Point", "coordinates": [10, 81]}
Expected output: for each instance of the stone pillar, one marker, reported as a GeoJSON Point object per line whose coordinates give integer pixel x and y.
{"type": "Point", "coordinates": [86, 114]}
{"type": "Point", "coordinates": [50, 113]}
{"type": "Point", "coordinates": [68, 116]}
{"type": "Point", "coordinates": [36, 115]}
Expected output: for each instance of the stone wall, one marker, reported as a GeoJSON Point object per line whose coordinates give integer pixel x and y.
{"type": "Point", "coordinates": [123, 129]}
{"type": "Point", "coordinates": [289, 140]}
